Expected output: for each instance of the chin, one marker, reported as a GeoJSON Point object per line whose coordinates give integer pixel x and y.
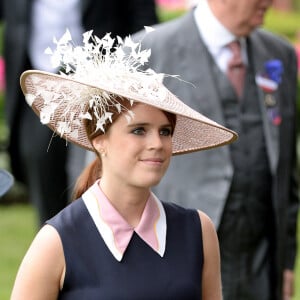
{"type": "Point", "coordinates": [258, 21]}
{"type": "Point", "coordinates": [146, 184]}
{"type": "Point", "coordinates": [246, 31]}
{"type": "Point", "coordinates": [153, 182]}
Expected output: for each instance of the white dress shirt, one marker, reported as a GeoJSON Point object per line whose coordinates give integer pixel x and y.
{"type": "Point", "coordinates": [215, 36]}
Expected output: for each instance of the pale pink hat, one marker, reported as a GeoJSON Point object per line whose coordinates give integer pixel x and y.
{"type": "Point", "coordinates": [94, 75]}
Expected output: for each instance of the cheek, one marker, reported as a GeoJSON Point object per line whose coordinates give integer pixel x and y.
{"type": "Point", "coordinates": [169, 152]}
{"type": "Point", "coordinates": [169, 147]}
{"type": "Point", "coordinates": [123, 149]}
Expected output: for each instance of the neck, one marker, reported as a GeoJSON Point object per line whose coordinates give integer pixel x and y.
{"type": "Point", "coordinates": [128, 201]}
{"type": "Point", "coordinates": [222, 13]}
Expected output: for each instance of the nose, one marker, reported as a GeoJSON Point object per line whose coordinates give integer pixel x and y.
{"type": "Point", "coordinates": [155, 141]}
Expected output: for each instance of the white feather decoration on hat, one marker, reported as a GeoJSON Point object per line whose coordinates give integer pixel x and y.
{"type": "Point", "coordinates": [94, 76]}
{"type": "Point", "coordinates": [107, 60]}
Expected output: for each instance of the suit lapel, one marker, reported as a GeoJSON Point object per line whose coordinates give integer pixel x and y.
{"type": "Point", "coordinates": [190, 59]}
{"type": "Point", "coordinates": [195, 68]}
{"type": "Point", "coordinates": [200, 73]}
{"type": "Point", "coordinates": [259, 55]}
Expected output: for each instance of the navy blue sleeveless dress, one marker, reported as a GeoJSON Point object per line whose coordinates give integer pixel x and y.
{"type": "Point", "coordinates": [92, 272]}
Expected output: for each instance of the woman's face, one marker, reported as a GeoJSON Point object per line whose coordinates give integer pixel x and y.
{"type": "Point", "coordinates": [137, 152]}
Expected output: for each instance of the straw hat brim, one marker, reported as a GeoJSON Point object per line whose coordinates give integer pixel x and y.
{"type": "Point", "coordinates": [193, 131]}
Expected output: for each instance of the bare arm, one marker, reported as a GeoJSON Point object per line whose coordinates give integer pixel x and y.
{"type": "Point", "coordinates": [211, 275]}
{"type": "Point", "coordinates": [42, 270]}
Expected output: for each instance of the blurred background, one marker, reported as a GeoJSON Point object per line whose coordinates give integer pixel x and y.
{"type": "Point", "coordinates": [18, 223]}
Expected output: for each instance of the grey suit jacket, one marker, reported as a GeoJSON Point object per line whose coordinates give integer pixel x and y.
{"type": "Point", "coordinates": [202, 180]}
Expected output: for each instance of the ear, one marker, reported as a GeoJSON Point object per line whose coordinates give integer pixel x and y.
{"type": "Point", "coordinates": [99, 143]}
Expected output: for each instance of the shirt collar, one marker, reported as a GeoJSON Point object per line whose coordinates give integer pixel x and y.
{"type": "Point", "coordinates": [203, 16]}
{"type": "Point", "coordinates": [115, 230]}
{"type": "Point", "coordinates": [216, 46]}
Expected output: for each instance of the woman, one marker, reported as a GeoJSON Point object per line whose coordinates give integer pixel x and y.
{"type": "Point", "coordinates": [117, 240]}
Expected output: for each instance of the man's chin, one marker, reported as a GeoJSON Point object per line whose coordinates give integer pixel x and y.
{"type": "Point", "coordinates": [259, 20]}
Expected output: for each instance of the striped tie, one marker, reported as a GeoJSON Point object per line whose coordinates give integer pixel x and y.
{"type": "Point", "coordinates": [236, 69]}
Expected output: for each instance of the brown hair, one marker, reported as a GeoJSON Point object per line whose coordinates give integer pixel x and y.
{"type": "Point", "coordinates": [93, 171]}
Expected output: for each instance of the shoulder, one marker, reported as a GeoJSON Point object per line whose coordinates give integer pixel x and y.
{"type": "Point", "coordinates": [165, 31]}
{"type": "Point", "coordinates": [208, 228]}
{"type": "Point", "coordinates": [211, 271]}
{"type": "Point", "coordinates": [173, 208]}
{"type": "Point", "coordinates": [209, 235]}
{"type": "Point", "coordinates": [268, 36]}
{"type": "Point", "coordinates": [70, 218]}
{"type": "Point", "coordinates": [274, 46]}
{"type": "Point", "coordinates": [42, 269]}
{"type": "Point", "coordinates": [48, 239]}
{"type": "Point", "coordinates": [73, 210]}
{"type": "Point", "coordinates": [271, 40]}
{"type": "Point", "coordinates": [187, 218]}
{"type": "Point", "coordinates": [197, 215]}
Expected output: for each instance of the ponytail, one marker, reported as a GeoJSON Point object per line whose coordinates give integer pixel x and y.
{"type": "Point", "coordinates": [94, 170]}
{"type": "Point", "coordinates": [87, 178]}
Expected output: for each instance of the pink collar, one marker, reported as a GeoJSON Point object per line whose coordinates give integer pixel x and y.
{"type": "Point", "coordinates": [114, 229]}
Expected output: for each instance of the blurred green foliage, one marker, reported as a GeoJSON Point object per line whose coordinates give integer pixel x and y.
{"type": "Point", "coordinates": [286, 24]}
{"type": "Point", "coordinates": [17, 229]}
{"type": "Point", "coordinates": [167, 15]}
{"type": "Point", "coordinates": [296, 5]}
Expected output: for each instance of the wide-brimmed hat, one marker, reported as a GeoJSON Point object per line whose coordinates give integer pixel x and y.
{"type": "Point", "coordinates": [95, 74]}
{"type": "Point", "coordinates": [6, 181]}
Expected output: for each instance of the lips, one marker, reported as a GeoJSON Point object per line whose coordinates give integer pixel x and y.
{"type": "Point", "coordinates": [153, 159]}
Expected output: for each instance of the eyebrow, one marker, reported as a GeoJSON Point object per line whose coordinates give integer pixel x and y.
{"type": "Point", "coordinates": [147, 124]}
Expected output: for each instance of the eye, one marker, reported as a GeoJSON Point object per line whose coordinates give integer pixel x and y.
{"type": "Point", "coordinates": [138, 131]}
{"type": "Point", "coordinates": [166, 131]}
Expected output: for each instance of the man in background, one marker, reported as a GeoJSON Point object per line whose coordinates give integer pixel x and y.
{"type": "Point", "coordinates": [244, 78]}
{"type": "Point", "coordinates": [29, 27]}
